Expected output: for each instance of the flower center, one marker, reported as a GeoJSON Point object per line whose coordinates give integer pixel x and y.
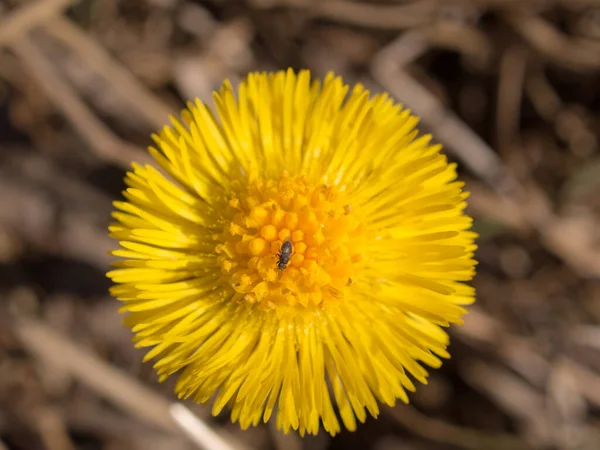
{"type": "Point", "coordinates": [290, 243]}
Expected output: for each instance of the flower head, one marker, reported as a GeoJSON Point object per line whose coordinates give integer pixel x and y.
{"type": "Point", "coordinates": [300, 254]}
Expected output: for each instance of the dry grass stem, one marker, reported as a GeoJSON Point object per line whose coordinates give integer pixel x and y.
{"type": "Point", "coordinates": [147, 104]}
{"type": "Point", "coordinates": [551, 43]}
{"type": "Point", "coordinates": [28, 17]}
{"type": "Point", "coordinates": [445, 433]}
{"type": "Point", "coordinates": [114, 385]}
{"type": "Point", "coordinates": [98, 136]}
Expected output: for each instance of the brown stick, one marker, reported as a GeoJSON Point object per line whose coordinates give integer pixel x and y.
{"type": "Point", "coordinates": [100, 138]}
{"type": "Point", "coordinates": [50, 346]}
{"type": "Point", "coordinates": [53, 348]}
{"type": "Point", "coordinates": [531, 206]}
{"type": "Point", "coordinates": [392, 17]}
{"type": "Point", "coordinates": [388, 70]}
{"type": "Point", "coordinates": [29, 16]}
{"type": "Point", "coordinates": [550, 42]}
{"type": "Point", "coordinates": [52, 430]}
{"type": "Point", "coordinates": [449, 434]}
{"type": "Point", "coordinates": [154, 110]}
{"type": "Point", "coordinates": [516, 397]}
{"type": "Point", "coordinates": [510, 95]}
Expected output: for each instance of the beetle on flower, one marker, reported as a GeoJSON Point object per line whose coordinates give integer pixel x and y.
{"type": "Point", "coordinates": [381, 251]}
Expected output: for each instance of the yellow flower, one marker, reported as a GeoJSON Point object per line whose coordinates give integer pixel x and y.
{"type": "Point", "coordinates": [380, 249]}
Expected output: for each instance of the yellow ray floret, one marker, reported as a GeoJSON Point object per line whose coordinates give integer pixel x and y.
{"type": "Point", "coordinates": [379, 250]}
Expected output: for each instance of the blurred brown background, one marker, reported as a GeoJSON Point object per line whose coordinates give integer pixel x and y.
{"type": "Point", "coordinates": [512, 90]}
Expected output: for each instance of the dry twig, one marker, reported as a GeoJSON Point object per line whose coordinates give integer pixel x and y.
{"type": "Point", "coordinates": [510, 95]}
{"type": "Point", "coordinates": [489, 335]}
{"type": "Point", "coordinates": [388, 70]}
{"type": "Point", "coordinates": [448, 434]}
{"type": "Point", "coordinates": [465, 39]}
{"type": "Point", "coordinates": [512, 395]}
{"type": "Point", "coordinates": [28, 17]}
{"type": "Point", "coordinates": [364, 14]}
{"type": "Point", "coordinates": [32, 215]}
{"type": "Point", "coordinates": [122, 390]}
{"type": "Point", "coordinates": [99, 137]}
{"type": "Point", "coordinates": [53, 431]}
{"type": "Point", "coordinates": [98, 59]}
{"type": "Point", "coordinates": [587, 381]}
{"type": "Point", "coordinates": [542, 95]}
{"type": "Point", "coordinates": [532, 207]}
{"type": "Point", "coordinates": [556, 46]}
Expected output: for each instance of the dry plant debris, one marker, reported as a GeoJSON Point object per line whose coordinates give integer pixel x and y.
{"type": "Point", "coordinates": [512, 90]}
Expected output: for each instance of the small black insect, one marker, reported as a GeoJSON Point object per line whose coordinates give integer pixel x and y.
{"type": "Point", "coordinates": [285, 253]}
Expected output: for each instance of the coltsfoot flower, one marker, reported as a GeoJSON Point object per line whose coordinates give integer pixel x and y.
{"type": "Point", "coordinates": [347, 315]}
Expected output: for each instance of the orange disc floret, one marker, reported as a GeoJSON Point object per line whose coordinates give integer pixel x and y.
{"type": "Point", "coordinates": [315, 218]}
